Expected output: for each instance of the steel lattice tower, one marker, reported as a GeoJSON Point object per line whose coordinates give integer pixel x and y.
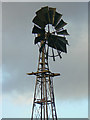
{"type": "Point", "coordinates": [44, 103]}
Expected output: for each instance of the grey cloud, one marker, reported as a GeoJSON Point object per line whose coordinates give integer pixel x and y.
{"type": "Point", "coordinates": [20, 55]}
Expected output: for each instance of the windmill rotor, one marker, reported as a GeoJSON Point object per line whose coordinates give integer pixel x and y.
{"type": "Point", "coordinates": [54, 37]}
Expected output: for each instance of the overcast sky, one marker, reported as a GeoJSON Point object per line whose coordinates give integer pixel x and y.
{"type": "Point", "coordinates": [20, 55]}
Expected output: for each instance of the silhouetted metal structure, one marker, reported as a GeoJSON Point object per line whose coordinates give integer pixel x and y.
{"type": "Point", "coordinates": [50, 36]}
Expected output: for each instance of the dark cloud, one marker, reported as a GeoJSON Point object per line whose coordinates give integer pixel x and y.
{"type": "Point", "coordinates": [20, 55]}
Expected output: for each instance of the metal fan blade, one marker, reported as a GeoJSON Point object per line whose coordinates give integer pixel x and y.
{"type": "Point", "coordinates": [52, 15]}
{"type": "Point", "coordinates": [43, 14]}
{"type": "Point", "coordinates": [38, 39]}
{"type": "Point", "coordinates": [61, 43]}
{"type": "Point", "coordinates": [63, 32]}
{"type": "Point", "coordinates": [38, 22]}
{"type": "Point", "coordinates": [57, 18]}
{"type": "Point", "coordinates": [58, 38]}
{"type": "Point", "coordinates": [60, 24]}
{"type": "Point", "coordinates": [62, 39]}
{"type": "Point", "coordinates": [42, 47]}
{"type": "Point", "coordinates": [53, 55]}
{"type": "Point", "coordinates": [54, 42]}
{"type": "Point", "coordinates": [61, 47]}
{"type": "Point", "coordinates": [38, 30]}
